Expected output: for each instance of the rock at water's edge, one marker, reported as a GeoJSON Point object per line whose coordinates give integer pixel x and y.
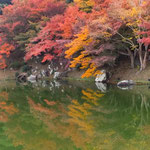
{"type": "Point", "coordinates": [125, 83]}
{"type": "Point", "coordinates": [101, 77]}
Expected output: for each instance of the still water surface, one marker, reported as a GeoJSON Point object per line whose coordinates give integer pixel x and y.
{"type": "Point", "coordinates": [73, 116]}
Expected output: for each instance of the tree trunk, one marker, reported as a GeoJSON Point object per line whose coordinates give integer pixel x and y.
{"type": "Point", "coordinates": [131, 57]}
{"type": "Point", "coordinates": [143, 59]}
{"type": "Point", "coordinates": [132, 61]}
{"type": "Point", "coordinates": [140, 57]}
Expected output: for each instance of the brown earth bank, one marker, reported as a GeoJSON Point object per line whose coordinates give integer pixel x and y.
{"type": "Point", "coordinates": [124, 72]}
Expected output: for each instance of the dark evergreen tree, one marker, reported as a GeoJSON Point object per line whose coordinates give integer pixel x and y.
{"type": "Point", "coordinates": [3, 3]}
{"type": "Point", "coordinates": [69, 1]}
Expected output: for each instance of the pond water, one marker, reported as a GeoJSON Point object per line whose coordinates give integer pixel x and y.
{"type": "Point", "coordinates": [73, 116]}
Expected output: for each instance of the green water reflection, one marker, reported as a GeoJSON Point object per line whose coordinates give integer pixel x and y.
{"type": "Point", "coordinates": [63, 116]}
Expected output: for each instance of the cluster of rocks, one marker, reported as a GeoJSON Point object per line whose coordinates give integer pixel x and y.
{"type": "Point", "coordinates": [35, 74]}
{"type": "Point", "coordinates": [103, 78]}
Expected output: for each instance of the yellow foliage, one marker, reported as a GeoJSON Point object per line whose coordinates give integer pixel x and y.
{"type": "Point", "coordinates": [77, 45]}
{"type": "Point", "coordinates": [91, 71]}
{"type": "Point", "coordinates": [91, 96]}
{"type": "Point", "coordinates": [81, 59]}
{"type": "Point", "coordinates": [85, 5]}
{"type": "Point", "coordinates": [79, 113]}
{"type": "Point", "coordinates": [134, 12]}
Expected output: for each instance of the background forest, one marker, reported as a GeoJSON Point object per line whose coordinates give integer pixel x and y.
{"type": "Point", "coordinates": [84, 34]}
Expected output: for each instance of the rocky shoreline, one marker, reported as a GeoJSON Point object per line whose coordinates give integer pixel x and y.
{"type": "Point", "coordinates": [35, 73]}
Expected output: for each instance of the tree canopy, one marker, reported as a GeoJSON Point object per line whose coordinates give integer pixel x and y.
{"type": "Point", "coordinates": [88, 33]}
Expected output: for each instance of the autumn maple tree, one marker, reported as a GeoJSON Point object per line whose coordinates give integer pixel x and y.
{"type": "Point", "coordinates": [51, 40]}
{"type": "Point", "coordinates": [22, 20]}
{"type": "Point", "coordinates": [88, 34]}
{"type": "Point", "coordinates": [92, 48]}
{"type": "Point", "coordinates": [132, 14]}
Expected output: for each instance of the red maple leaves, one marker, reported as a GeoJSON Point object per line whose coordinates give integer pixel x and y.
{"type": "Point", "coordinates": [58, 31]}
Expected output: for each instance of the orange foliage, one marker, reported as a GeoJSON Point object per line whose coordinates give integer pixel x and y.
{"type": "Point", "coordinates": [71, 17]}
{"type": "Point", "coordinates": [5, 50]}
{"type": "Point", "coordinates": [89, 24]}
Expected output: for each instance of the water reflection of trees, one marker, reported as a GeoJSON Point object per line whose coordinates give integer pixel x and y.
{"type": "Point", "coordinates": [131, 103]}
{"type": "Point", "coordinates": [76, 118]}
{"type": "Point", "coordinates": [6, 108]}
{"type": "Point", "coordinates": [73, 120]}
{"type": "Point", "coordinates": [80, 113]}
{"type": "Point", "coordinates": [81, 121]}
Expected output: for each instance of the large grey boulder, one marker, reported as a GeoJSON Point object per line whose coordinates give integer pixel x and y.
{"type": "Point", "coordinates": [101, 77]}
{"type": "Point", "coordinates": [32, 78]}
{"type": "Point", "coordinates": [125, 83]}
